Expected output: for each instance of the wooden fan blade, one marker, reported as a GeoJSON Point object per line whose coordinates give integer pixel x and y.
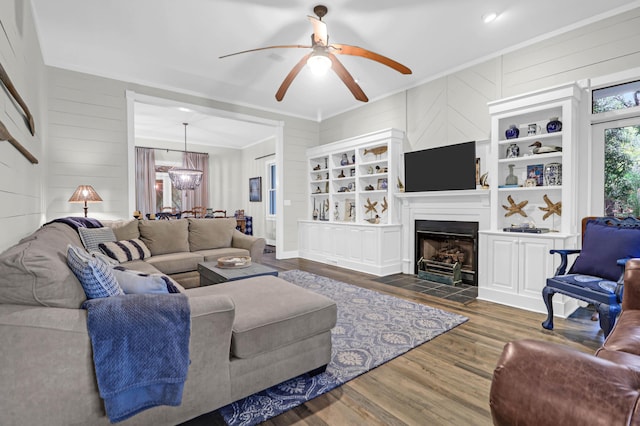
{"type": "Point", "coordinates": [345, 49]}
{"type": "Point", "coordinates": [289, 78]}
{"type": "Point", "coordinates": [319, 31]}
{"type": "Point", "coordinates": [284, 46]}
{"type": "Point", "coordinates": [347, 79]}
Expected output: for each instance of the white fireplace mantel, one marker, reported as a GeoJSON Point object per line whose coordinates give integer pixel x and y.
{"type": "Point", "coordinates": [465, 206]}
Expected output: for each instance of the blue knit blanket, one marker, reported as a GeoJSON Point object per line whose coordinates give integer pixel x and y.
{"type": "Point", "coordinates": [140, 350]}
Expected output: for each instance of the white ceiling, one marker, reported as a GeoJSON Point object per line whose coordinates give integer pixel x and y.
{"type": "Point", "coordinates": [176, 44]}
{"type": "Point", "coordinates": [165, 123]}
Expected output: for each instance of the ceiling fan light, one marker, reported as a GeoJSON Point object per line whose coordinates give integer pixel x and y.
{"type": "Point", "coordinates": [319, 64]}
{"type": "Point", "coordinates": [489, 17]}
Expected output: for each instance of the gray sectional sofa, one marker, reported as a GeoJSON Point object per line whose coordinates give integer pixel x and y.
{"type": "Point", "coordinates": [246, 335]}
{"type": "Point", "coordinates": [177, 246]}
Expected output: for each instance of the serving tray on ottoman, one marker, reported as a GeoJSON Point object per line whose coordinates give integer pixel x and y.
{"type": "Point", "coordinates": [210, 273]}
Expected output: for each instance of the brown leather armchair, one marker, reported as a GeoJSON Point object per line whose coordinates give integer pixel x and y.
{"type": "Point", "coordinates": [541, 383]}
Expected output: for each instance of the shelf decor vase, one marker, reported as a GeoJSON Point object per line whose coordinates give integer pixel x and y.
{"type": "Point", "coordinates": [554, 125]}
{"type": "Point", "coordinates": [512, 132]}
{"type": "Point", "coordinates": [553, 174]}
{"type": "Point", "coordinates": [513, 151]}
{"type": "Point", "coordinates": [511, 178]}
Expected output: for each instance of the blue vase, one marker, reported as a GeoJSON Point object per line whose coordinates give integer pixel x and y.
{"type": "Point", "coordinates": [512, 132]}
{"type": "Point", "coordinates": [554, 125]}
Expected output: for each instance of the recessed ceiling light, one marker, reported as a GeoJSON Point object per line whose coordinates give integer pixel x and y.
{"type": "Point", "coordinates": [183, 109]}
{"type": "Point", "coordinates": [489, 17]}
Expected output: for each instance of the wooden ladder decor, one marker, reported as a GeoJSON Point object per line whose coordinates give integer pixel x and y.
{"type": "Point", "coordinates": [6, 136]}
{"type": "Point", "coordinates": [4, 133]}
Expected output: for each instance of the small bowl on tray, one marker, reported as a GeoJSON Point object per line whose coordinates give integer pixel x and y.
{"type": "Point", "coordinates": [231, 262]}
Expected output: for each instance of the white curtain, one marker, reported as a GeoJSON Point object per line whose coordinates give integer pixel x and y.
{"type": "Point", "coordinates": [198, 197]}
{"type": "Point", "coordinates": [145, 180]}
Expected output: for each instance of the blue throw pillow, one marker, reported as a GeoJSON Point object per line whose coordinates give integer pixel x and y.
{"type": "Point", "coordinates": [603, 245]}
{"type": "Point", "coordinates": [95, 275]}
{"type": "Point", "coordinates": [134, 282]}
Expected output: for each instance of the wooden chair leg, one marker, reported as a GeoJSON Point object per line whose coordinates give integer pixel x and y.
{"type": "Point", "coordinates": [547, 296]}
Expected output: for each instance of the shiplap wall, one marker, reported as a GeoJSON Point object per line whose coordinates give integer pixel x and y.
{"type": "Point", "coordinates": [453, 109]}
{"type": "Point", "coordinates": [86, 140]}
{"type": "Point", "coordinates": [21, 192]}
{"type": "Point", "coordinates": [89, 145]}
{"type": "Point", "coordinates": [255, 159]}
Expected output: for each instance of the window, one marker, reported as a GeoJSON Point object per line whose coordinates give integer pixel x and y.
{"type": "Point", "coordinates": [622, 170]}
{"type": "Point", "coordinates": [612, 98]}
{"type": "Point", "coordinates": [617, 145]}
{"type": "Point", "coordinates": [166, 194]}
{"type": "Point", "coordinates": [271, 185]}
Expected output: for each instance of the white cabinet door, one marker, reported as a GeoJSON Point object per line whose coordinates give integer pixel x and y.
{"type": "Point", "coordinates": [535, 265]}
{"type": "Point", "coordinates": [502, 265]}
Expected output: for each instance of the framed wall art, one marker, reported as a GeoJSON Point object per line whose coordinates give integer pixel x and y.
{"type": "Point", "coordinates": [255, 189]}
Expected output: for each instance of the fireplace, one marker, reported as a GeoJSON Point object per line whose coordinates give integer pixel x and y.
{"type": "Point", "coordinates": [447, 251]}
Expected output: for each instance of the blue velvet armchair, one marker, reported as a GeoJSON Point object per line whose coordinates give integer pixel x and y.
{"type": "Point", "coordinates": [596, 276]}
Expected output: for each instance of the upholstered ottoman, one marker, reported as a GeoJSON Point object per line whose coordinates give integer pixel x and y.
{"type": "Point", "coordinates": [272, 313]}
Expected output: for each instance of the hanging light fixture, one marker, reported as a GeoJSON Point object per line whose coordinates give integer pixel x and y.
{"type": "Point", "coordinates": [185, 178]}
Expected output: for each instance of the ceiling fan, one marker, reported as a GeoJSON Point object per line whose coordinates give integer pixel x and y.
{"type": "Point", "coordinates": [323, 56]}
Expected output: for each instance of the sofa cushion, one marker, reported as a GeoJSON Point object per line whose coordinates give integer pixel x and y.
{"type": "Point", "coordinates": [95, 275]}
{"type": "Point", "coordinates": [210, 233]}
{"type": "Point", "coordinates": [35, 271]}
{"type": "Point", "coordinates": [173, 263]}
{"type": "Point", "coordinates": [165, 236]}
{"type": "Point", "coordinates": [92, 237]}
{"type": "Point", "coordinates": [125, 230]}
{"type": "Point", "coordinates": [603, 245]}
{"type": "Point", "coordinates": [272, 313]}
{"type": "Point", "coordinates": [215, 254]}
{"type": "Point", "coordinates": [126, 250]}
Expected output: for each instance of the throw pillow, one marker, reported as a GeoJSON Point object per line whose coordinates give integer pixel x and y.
{"type": "Point", "coordinates": [134, 282]}
{"type": "Point", "coordinates": [95, 275]}
{"type": "Point", "coordinates": [126, 230]}
{"type": "Point", "coordinates": [124, 251]}
{"type": "Point", "coordinates": [603, 245]}
{"type": "Point", "coordinates": [92, 237]}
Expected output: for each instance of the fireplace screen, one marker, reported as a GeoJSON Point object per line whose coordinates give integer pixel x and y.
{"type": "Point", "coordinates": [447, 251]}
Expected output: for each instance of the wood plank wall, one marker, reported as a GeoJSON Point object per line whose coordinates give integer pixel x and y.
{"type": "Point", "coordinates": [87, 144]}
{"type": "Point", "coordinates": [453, 109]}
{"type": "Point", "coordinates": [20, 181]}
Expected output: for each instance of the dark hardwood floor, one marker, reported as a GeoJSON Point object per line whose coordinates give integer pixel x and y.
{"type": "Point", "coordinates": [443, 382]}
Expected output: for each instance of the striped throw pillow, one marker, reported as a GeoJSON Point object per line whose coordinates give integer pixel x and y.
{"type": "Point", "coordinates": [126, 250]}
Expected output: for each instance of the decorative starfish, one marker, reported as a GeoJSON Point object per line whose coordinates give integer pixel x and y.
{"type": "Point", "coordinates": [371, 207]}
{"type": "Point", "coordinates": [384, 204]}
{"type": "Point", "coordinates": [515, 208]}
{"type": "Point", "coordinates": [552, 208]}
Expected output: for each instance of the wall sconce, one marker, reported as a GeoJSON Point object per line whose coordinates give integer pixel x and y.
{"type": "Point", "coordinates": [85, 194]}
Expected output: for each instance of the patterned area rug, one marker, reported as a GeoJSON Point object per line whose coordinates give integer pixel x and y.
{"type": "Point", "coordinates": [372, 329]}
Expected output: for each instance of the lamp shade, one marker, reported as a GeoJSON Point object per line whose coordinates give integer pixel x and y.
{"type": "Point", "coordinates": [85, 194]}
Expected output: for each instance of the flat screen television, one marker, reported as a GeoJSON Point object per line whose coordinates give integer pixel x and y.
{"type": "Point", "coordinates": [445, 168]}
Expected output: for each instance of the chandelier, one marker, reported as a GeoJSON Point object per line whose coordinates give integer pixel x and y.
{"type": "Point", "coordinates": [185, 178]}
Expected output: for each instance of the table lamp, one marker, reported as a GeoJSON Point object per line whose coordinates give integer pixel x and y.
{"type": "Point", "coordinates": [86, 194]}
